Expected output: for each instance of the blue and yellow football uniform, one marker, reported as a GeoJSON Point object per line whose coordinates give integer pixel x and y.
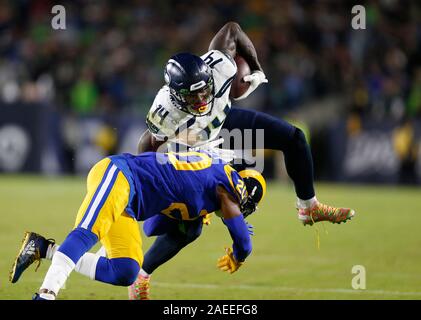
{"type": "Point", "coordinates": [124, 188]}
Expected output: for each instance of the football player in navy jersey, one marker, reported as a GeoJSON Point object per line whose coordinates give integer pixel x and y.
{"type": "Point", "coordinates": [194, 105]}
{"type": "Point", "coordinates": [124, 189]}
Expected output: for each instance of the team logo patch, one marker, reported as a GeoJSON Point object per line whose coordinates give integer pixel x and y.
{"type": "Point", "coordinates": [29, 249]}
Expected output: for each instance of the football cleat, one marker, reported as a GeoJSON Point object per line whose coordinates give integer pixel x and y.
{"type": "Point", "coordinates": [36, 296]}
{"type": "Point", "coordinates": [43, 296]}
{"type": "Point", "coordinates": [322, 212]}
{"type": "Point", "coordinates": [34, 248]}
{"type": "Point", "coordinates": [139, 290]}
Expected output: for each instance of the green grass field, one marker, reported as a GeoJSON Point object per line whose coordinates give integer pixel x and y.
{"type": "Point", "coordinates": [384, 237]}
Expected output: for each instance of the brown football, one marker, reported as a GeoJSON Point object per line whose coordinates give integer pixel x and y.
{"type": "Point", "coordinates": [238, 86]}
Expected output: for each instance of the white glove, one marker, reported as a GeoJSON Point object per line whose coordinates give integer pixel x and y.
{"type": "Point", "coordinates": [255, 79]}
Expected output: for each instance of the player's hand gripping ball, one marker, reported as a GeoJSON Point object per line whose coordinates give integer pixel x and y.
{"type": "Point", "coordinates": [245, 82]}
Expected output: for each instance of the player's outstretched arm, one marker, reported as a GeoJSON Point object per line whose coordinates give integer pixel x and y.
{"type": "Point", "coordinates": [232, 40]}
{"type": "Point", "coordinates": [234, 220]}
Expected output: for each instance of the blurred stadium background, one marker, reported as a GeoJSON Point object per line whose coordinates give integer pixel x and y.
{"type": "Point", "coordinates": [70, 97]}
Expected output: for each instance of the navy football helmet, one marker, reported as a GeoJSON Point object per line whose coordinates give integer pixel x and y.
{"type": "Point", "coordinates": [191, 83]}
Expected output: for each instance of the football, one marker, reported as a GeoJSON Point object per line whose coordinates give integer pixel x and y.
{"type": "Point", "coordinates": [238, 86]}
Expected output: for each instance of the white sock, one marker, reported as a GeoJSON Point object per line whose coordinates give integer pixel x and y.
{"type": "Point", "coordinates": [87, 265]}
{"type": "Point", "coordinates": [305, 204]}
{"type": "Point", "coordinates": [144, 274]}
{"type": "Point", "coordinates": [51, 250]}
{"type": "Point", "coordinates": [59, 271]}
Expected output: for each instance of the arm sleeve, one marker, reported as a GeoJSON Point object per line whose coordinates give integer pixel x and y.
{"type": "Point", "coordinates": [239, 233]}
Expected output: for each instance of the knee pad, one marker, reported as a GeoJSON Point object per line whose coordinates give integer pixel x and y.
{"type": "Point", "coordinates": [125, 270]}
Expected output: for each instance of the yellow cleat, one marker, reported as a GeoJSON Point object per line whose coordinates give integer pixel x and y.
{"type": "Point", "coordinates": [322, 212]}
{"type": "Point", "coordinates": [139, 290]}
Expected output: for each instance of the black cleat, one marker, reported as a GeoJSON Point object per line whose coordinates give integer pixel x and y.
{"type": "Point", "coordinates": [34, 248]}
{"type": "Point", "coordinates": [38, 296]}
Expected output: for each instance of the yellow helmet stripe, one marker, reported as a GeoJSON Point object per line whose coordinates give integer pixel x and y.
{"type": "Point", "coordinates": [250, 173]}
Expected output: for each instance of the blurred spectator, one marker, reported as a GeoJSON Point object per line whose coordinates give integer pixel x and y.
{"type": "Point", "coordinates": [407, 150]}
{"type": "Point", "coordinates": [84, 94]}
{"type": "Point", "coordinates": [414, 99]}
{"type": "Point", "coordinates": [111, 55]}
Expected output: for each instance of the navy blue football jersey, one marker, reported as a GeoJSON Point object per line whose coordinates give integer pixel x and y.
{"type": "Point", "coordinates": [179, 185]}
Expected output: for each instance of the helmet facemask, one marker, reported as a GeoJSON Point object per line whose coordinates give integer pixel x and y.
{"type": "Point", "coordinates": [191, 84]}
{"type": "Point", "coordinates": [196, 102]}
{"type": "Point", "coordinates": [249, 204]}
{"type": "Point", "coordinates": [256, 189]}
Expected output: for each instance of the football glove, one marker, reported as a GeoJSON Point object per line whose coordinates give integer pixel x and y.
{"type": "Point", "coordinates": [250, 228]}
{"type": "Point", "coordinates": [228, 262]}
{"type": "Point", "coordinates": [207, 219]}
{"type": "Point", "coordinates": [255, 79]}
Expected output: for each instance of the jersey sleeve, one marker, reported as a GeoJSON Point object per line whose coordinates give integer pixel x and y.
{"type": "Point", "coordinates": [159, 118]}
{"type": "Point", "coordinates": [223, 68]}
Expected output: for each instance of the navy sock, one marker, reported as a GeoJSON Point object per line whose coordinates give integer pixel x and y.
{"type": "Point", "coordinates": [283, 136]}
{"type": "Point", "coordinates": [168, 245]}
{"type": "Point", "coordinates": [299, 165]}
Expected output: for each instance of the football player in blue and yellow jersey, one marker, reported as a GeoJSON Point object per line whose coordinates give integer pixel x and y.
{"type": "Point", "coordinates": [124, 189]}
{"type": "Point", "coordinates": [173, 235]}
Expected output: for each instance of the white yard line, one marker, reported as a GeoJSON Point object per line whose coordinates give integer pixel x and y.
{"type": "Point", "coordinates": [284, 289]}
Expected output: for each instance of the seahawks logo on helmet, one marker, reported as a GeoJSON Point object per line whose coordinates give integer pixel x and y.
{"type": "Point", "coordinates": [256, 190]}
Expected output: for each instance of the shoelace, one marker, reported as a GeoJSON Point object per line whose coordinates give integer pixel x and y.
{"type": "Point", "coordinates": [37, 258]}
{"type": "Point", "coordinates": [317, 232]}
{"type": "Point", "coordinates": [325, 211]}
